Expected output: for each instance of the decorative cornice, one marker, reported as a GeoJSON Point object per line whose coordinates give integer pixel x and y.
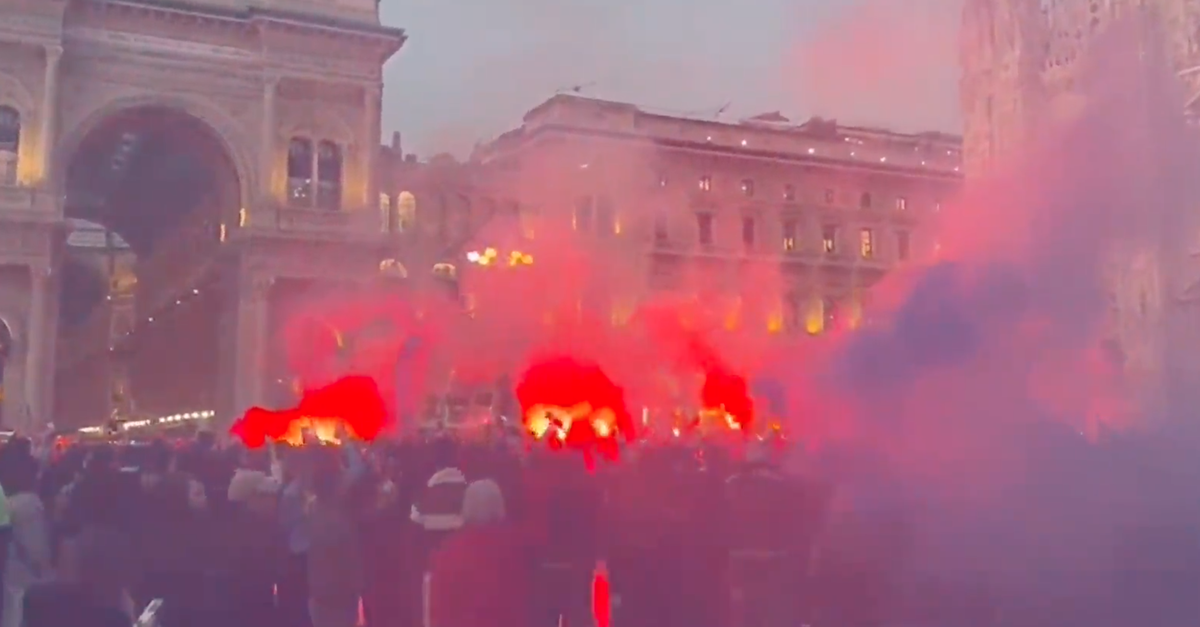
{"type": "Point", "coordinates": [549, 131]}
{"type": "Point", "coordinates": [388, 38]}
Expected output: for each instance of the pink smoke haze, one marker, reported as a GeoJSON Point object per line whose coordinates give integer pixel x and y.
{"type": "Point", "coordinates": [980, 390]}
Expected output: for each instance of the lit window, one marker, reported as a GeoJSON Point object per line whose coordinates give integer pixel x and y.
{"type": "Point", "coordinates": [901, 203]}
{"type": "Point", "coordinates": [662, 180]}
{"type": "Point", "coordinates": [704, 228]}
{"type": "Point", "coordinates": [406, 211]}
{"type": "Point", "coordinates": [300, 170]}
{"type": "Point", "coordinates": [866, 243]}
{"type": "Point", "coordinates": [789, 235]}
{"type": "Point", "coordinates": [864, 201]}
{"type": "Point", "coordinates": [747, 187]}
{"type": "Point", "coordinates": [748, 232]}
{"type": "Point", "coordinates": [706, 183]}
{"type": "Point", "coordinates": [829, 238]}
{"type": "Point", "coordinates": [789, 192]}
{"type": "Point", "coordinates": [385, 213]}
{"type": "Point", "coordinates": [830, 197]}
{"type": "Point", "coordinates": [902, 245]}
{"type": "Point", "coordinates": [937, 206]}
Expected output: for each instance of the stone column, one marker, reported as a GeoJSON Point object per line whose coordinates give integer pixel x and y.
{"type": "Point", "coordinates": [372, 102]}
{"type": "Point", "coordinates": [49, 118]}
{"type": "Point", "coordinates": [269, 160]}
{"type": "Point", "coordinates": [250, 363]}
{"type": "Point", "coordinates": [38, 342]}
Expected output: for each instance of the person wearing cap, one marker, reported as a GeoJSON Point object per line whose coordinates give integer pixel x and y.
{"type": "Point", "coordinates": [257, 550]}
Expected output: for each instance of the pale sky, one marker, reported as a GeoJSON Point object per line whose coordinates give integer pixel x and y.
{"type": "Point", "coordinates": [471, 68]}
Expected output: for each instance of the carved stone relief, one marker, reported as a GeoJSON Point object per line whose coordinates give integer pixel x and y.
{"type": "Point", "coordinates": [317, 121]}
{"type": "Point", "coordinates": [15, 93]}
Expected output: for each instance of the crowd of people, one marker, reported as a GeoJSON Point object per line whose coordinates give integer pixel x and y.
{"type": "Point", "coordinates": [430, 533]}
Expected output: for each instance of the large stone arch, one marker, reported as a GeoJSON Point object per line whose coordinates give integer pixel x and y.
{"type": "Point", "coordinates": [12, 374]}
{"type": "Point", "coordinates": [224, 128]}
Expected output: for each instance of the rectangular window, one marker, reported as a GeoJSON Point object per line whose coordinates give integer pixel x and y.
{"type": "Point", "coordinates": [706, 183]}
{"type": "Point", "coordinates": [748, 232]}
{"type": "Point", "coordinates": [864, 201]}
{"type": "Point", "coordinates": [866, 243]}
{"type": "Point", "coordinates": [704, 228]}
{"type": "Point", "coordinates": [583, 215]}
{"type": "Point", "coordinates": [789, 192]}
{"type": "Point", "coordinates": [829, 238]}
{"type": "Point", "coordinates": [747, 187]}
{"type": "Point", "coordinates": [903, 246]}
{"type": "Point", "coordinates": [901, 203]}
{"type": "Point", "coordinates": [789, 235]}
{"type": "Point", "coordinates": [661, 233]}
{"type": "Point", "coordinates": [830, 197]}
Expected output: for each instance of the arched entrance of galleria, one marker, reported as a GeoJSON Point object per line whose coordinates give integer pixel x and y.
{"type": "Point", "coordinates": [140, 305]}
{"type": "Point", "coordinates": [160, 168]}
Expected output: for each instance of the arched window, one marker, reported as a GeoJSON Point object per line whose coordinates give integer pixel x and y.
{"type": "Point", "coordinates": [406, 211]}
{"type": "Point", "coordinates": [386, 215]}
{"type": "Point", "coordinates": [329, 176]}
{"type": "Point", "coordinates": [10, 143]}
{"type": "Point", "coordinates": [6, 341]}
{"type": "Point", "coordinates": [300, 172]}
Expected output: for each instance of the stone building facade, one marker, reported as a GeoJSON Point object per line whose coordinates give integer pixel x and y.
{"type": "Point", "coordinates": [1022, 61]}
{"type": "Point", "coordinates": [834, 206]}
{"type": "Point", "coordinates": [287, 98]}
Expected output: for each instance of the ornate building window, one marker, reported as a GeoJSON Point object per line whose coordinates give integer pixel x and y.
{"type": "Point", "coordinates": [329, 176]}
{"type": "Point", "coordinates": [790, 229]}
{"type": "Point", "coordinates": [829, 234]}
{"type": "Point", "coordinates": [300, 171]}
{"type": "Point", "coordinates": [10, 143]}
{"type": "Point", "coordinates": [406, 211]}
{"type": "Point", "coordinates": [314, 175]}
{"type": "Point", "coordinates": [866, 243]}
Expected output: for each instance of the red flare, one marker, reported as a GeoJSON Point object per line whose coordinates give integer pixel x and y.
{"type": "Point", "coordinates": [601, 596]}
{"type": "Point", "coordinates": [354, 401]}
